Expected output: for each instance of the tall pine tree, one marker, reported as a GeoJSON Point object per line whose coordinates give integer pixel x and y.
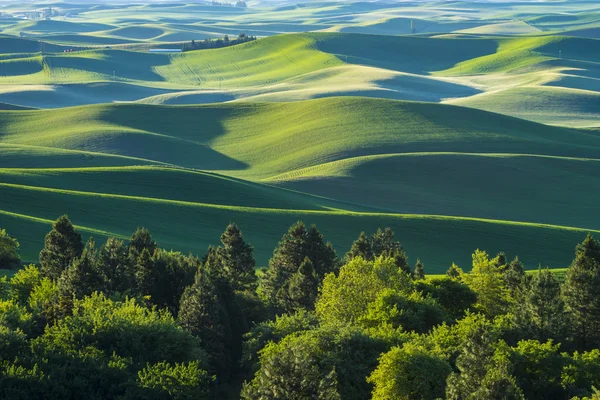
{"type": "Point", "coordinates": [237, 260]}
{"type": "Point", "coordinates": [581, 291]}
{"type": "Point", "coordinates": [297, 244]}
{"type": "Point", "coordinates": [62, 245]}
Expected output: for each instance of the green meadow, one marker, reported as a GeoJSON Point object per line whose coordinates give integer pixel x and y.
{"type": "Point", "coordinates": [462, 126]}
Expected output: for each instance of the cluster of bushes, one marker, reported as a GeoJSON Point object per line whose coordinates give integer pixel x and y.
{"type": "Point", "coordinates": [217, 43]}
{"type": "Point", "coordinates": [128, 320]}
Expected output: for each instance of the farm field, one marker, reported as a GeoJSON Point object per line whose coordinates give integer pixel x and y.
{"type": "Point", "coordinates": [347, 115]}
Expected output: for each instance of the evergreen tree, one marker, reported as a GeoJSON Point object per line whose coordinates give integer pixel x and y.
{"type": "Point", "coordinates": [114, 266]}
{"type": "Point", "coordinates": [78, 280]}
{"type": "Point", "coordinates": [361, 247]}
{"type": "Point", "coordinates": [144, 274]}
{"type": "Point", "coordinates": [202, 312]}
{"type": "Point", "coordinates": [297, 244]}
{"type": "Point", "coordinates": [513, 275]}
{"type": "Point", "coordinates": [544, 307]}
{"type": "Point", "coordinates": [139, 241]}
{"type": "Point", "coordinates": [62, 245]}
{"type": "Point", "coordinates": [498, 383]}
{"type": "Point", "coordinates": [419, 272]}
{"type": "Point", "coordinates": [237, 259]}
{"type": "Point", "coordinates": [474, 360]}
{"type": "Point", "coordinates": [454, 272]}
{"type": "Point", "coordinates": [581, 293]}
{"type": "Point", "coordinates": [303, 287]}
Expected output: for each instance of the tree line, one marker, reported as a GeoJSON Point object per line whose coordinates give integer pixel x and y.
{"type": "Point", "coordinates": [217, 43]}
{"type": "Point", "coordinates": [129, 320]}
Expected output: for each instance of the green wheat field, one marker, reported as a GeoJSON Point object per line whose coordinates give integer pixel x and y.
{"type": "Point", "coordinates": [460, 125]}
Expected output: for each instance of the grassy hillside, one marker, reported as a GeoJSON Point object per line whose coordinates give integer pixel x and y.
{"type": "Point", "coordinates": [83, 160]}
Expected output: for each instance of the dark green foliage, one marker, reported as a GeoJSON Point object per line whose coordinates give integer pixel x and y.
{"type": "Point", "coordinates": [303, 287]}
{"type": "Point", "coordinates": [114, 267]}
{"type": "Point", "coordinates": [295, 246]}
{"type": "Point", "coordinates": [139, 241]}
{"type": "Point", "coordinates": [202, 313]}
{"type": "Point", "coordinates": [409, 372]}
{"type": "Point", "coordinates": [475, 359]}
{"type": "Point", "coordinates": [581, 294]}
{"type": "Point", "coordinates": [143, 274]}
{"type": "Point", "coordinates": [79, 279]}
{"type": "Point", "coordinates": [61, 246]}
{"type": "Point", "coordinates": [454, 271]}
{"type": "Point", "coordinates": [9, 256]}
{"type": "Point", "coordinates": [419, 272]}
{"type": "Point", "coordinates": [361, 247]}
{"type": "Point", "coordinates": [287, 365]}
{"type": "Point", "coordinates": [538, 368]}
{"type": "Point", "coordinates": [290, 370]}
{"type": "Point", "coordinates": [541, 311]}
{"type": "Point", "coordinates": [513, 275]}
{"type": "Point", "coordinates": [454, 296]}
{"type": "Point", "coordinates": [172, 272]}
{"type": "Point", "coordinates": [237, 260]}
{"type": "Point", "coordinates": [218, 43]}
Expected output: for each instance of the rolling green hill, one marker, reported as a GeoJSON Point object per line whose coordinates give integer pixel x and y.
{"type": "Point", "coordinates": [330, 151]}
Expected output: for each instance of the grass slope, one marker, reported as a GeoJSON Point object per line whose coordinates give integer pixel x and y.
{"type": "Point", "coordinates": [288, 143]}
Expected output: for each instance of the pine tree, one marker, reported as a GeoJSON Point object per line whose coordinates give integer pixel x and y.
{"type": "Point", "coordinates": [140, 240]}
{"type": "Point", "coordinates": [513, 275]}
{"type": "Point", "coordinates": [544, 307]}
{"type": "Point", "coordinates": [419, 270]}
{"type": "Point", "coordinates": [114, 266]}
{"type": "Point", "coordinates": [303, 288]}
{"type": "Point", "coordinates": [581, 293]}
{"type": "Point", "coordinates": [78, 280]}
{"type": "Point", "coordinates": [361, 247]}
{"type": "Point", "coordinates": [144, 274]}
{"type": "Point", "coordinates": [297, 244]}
{"type": "Point", "coordinates": [201, 312]}
{"type": "Point", "coordinates": [237, 259]}
{"type": "Point", "coordinates": [454, 271]}
{"type": "Point", "coordinates": [62, 245]}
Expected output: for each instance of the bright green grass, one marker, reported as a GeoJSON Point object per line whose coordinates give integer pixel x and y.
{"type": "Point", "coordinates": [546, 104]}
{"type": "Point", "coordinates": [260, 141]}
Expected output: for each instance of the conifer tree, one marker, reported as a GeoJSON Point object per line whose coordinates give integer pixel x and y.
{"type": "Point", "coordinates": [139, 241]}
{"type": "Point", "coordinates": [454, 271]}
{"type": "Point", "coordinates": [114, 266]}
{"type": "Point", "coordinates": [201, 312]}
{"type": "Point", "coordinates": [544, 307]}
{"type": "Point", "coordinates": [297, 244]}
{"type": "Point", "coordinates": [419, 270]}
{"type": "Point", "coordinates": [513, 275]}
{"type": "Point", "coordinates": [303, 287]}
{"type": "Point", "coordinates": [62, 245]}
{"type": "Point", "coordinates": [78, 280]}
{"type": "Point", "coordinates": [144, 274]}
{"type": "Point", "coordinates": [486, 279]}
{"type": "Point", "coordinates": [361, 247]}
{"type": "Point", "coordinates": [581, 291]}
{"type": "Point", "coordinates": [237, 260]}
